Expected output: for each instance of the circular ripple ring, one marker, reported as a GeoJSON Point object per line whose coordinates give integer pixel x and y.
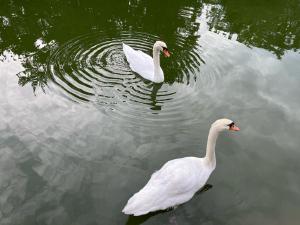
{"type": "Point", "coordinates": [93, 69]}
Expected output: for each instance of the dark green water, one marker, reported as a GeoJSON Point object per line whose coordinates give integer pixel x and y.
{"type": "Point", "coordinates": [80, 133]}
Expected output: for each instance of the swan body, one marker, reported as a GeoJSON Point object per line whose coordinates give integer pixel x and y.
{"type": "Point", "coordinates": [178, 179]}
{"type": "Point", "coordinates": [143, 64]}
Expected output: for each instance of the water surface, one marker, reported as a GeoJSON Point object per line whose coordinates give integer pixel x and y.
{"type": "Point", "coordinates": [80, 132]}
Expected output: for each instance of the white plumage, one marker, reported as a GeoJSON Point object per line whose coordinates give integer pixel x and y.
{"type": "Point", "coordinates": [179, 179]}
{"type": "Point", "coordinates": [144, 65]}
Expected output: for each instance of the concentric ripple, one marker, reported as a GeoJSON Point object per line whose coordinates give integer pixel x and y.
{"type": "Point", "coordinates": [93, 69]}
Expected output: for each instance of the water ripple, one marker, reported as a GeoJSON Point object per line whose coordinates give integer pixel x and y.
{"type": "Point", "coordinates": [93, 69]}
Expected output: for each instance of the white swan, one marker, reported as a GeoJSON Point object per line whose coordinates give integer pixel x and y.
{"type": "Point", "coordinates": [179, 179]}
{"type": "Point", "coordinates": [144, 65]}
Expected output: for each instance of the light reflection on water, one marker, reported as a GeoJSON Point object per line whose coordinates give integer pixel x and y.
{"type": "Point", "coordinates": [67, 163]}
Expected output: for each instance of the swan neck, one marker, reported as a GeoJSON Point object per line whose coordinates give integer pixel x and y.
{"type": "Point", "coordinates": [210, 156]}
{"type": "Point", "coordinates": [156, 60]}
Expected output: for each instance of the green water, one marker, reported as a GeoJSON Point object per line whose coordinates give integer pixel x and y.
{"type": "Point", "coordinates": [80, 132]}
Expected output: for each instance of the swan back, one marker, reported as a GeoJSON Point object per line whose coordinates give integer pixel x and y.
{"type": "Point", "coordinates": [175, 183]}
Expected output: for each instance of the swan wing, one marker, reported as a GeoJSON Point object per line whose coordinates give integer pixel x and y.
{"type": "Point", "coordinates": [139, 62]}
{"type": "Point", "coordinates": [175, 183]}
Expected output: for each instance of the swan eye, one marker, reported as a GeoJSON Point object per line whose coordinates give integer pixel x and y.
{"type": "Point", "coordinates": [164, 48]}
{"type": "Point", "coordinates": [231, 125]}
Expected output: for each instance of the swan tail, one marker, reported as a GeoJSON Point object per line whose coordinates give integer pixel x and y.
{"type": "Point", "coordinates": [140, 203]}
{"type": "Point", "coordinates": [129, 53]}
{"type": "Point", "coordinates": [135, 206]}
{"type": "Point", "coordinates": [127, 50]}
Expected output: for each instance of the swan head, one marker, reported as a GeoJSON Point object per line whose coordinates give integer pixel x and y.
{"type": "Point", "coordinates": [224, 124]}
{"type": "Point", "coordinates": [161, 46]}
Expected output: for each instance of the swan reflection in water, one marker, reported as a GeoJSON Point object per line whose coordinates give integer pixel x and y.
{"type": "Point", "coordinates": [154, 103]}
{"type": "Point", "coordinates": [107, 97]}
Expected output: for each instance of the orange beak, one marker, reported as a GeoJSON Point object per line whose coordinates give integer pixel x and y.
{"type": "Point", "coordinates": [234, 128]}
{"type": "Point", "coordinates": [166, 53]}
